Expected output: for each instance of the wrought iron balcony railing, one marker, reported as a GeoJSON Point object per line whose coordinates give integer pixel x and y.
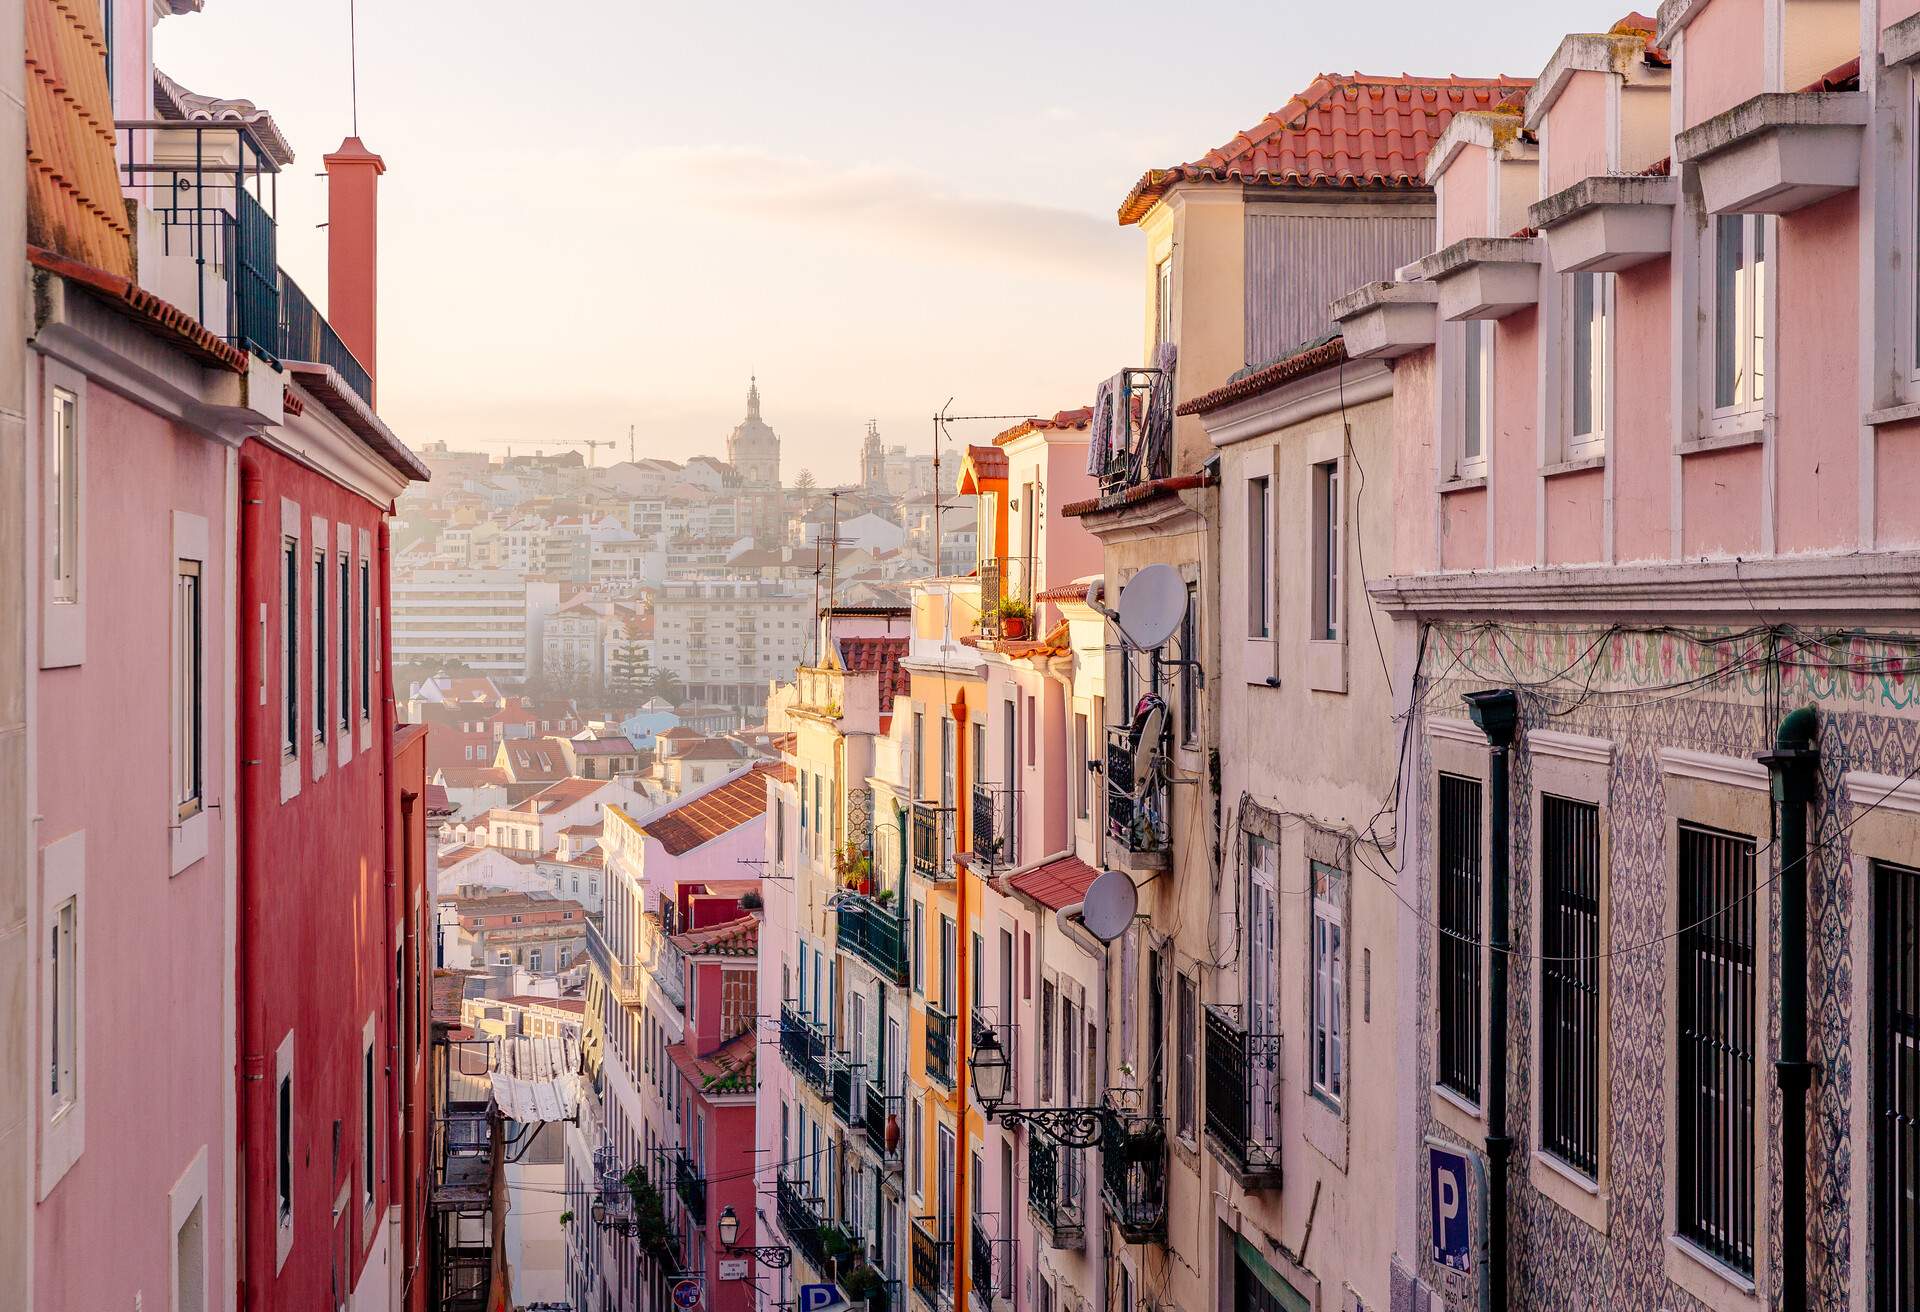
{"type": "Point", "coordinates": [980, 1265]}
{"type": "Point", "coordinates": [930, 1263]}
{"type": "Point", "coordinates": [803, 1047]}
{"type": "Point", "coordinates": [840, 1081]}
{"type": "Point", "coordinates": [691, 1188]}
{"type": "Point", "coordinates": [1134, 1179]}
{"type": "Point", "coordinates": [1138, 813]}
{"type": "Point", "coordinates": [940, 1027]}
{"type": "Point", "coordinates": [800, 1218]}
{"type": "Point", "coordinates": [872, 930]}
{"type": "Point", "coordinates": [1139, 451]}
{"type": "Point", "coordinates": [1006, 597]}
{"type": "Point", "coordinates": [996, 826]}
{"type": "Point", "coordinates": [305, 334]}
{"type": "Point", "coordinates": [1056, 1190]}
{"type": "Point", "coordinates": [879, 1108]}
{"type": "Point", "coordinates": [1243, 1107]}
{"type": "Point", "coordinates": [932, 841]}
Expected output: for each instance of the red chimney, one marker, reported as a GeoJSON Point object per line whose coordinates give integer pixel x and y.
{"type": "Point", "coordinates": [353, 246]}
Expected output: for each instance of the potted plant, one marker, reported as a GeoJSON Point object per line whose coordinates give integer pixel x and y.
{"type": "Point", "coordinates": [1014, 614]}
{"type": "Point", "coordinates": [566, 1217]}
{"type": "Point", "coordinates": [750, 901]}
{"type": "Point", "coordinates": [861, 1283]}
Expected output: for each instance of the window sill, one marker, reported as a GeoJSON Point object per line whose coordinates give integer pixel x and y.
{"type": "Point", "coordinates": [1451, 485]}
{"type": "Point", "coordinates": [1458, 1115]}
{"type": "Point", "coordinates": [1893, 414]}
{"type": "Point", "coordinates": [1706, 1277]}
{"type": "Point", "coordinates": [1575, 466]}
{"type": "Point", "coordinates": [1726, 441]}
{"type": "Point", "coordinates": [1574, 1193]}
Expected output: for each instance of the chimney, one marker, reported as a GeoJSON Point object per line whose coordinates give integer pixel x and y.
{"type": "Point", "coordinates": [353, 245]}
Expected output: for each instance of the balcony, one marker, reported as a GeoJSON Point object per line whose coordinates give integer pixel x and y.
{"type": "Point", "coordinates": [930, 1264]}
{"type": "Point", "coordinates": [624, 985]}
{"type": "Point", "coordinates": [1138, 452]}
{"type": "Point", "coordinates": [305, 335]}
{"type": "Point", "coordinates": [1055, 1188]}
{"type": "Point", "coordinates": [1134, 1179]}
{"type": "Point", "coordinates": [872, 931]}
{"type": "Point", "coordinates": [980, 1264]}
{"type": "Point", "coordinates": [932, 841]}
{"type": "Point", "coordinates": [801, 1220]}
{"type": "Point", "coordinates": [878, 1109]}
{"type": "Point", "coordinates": [940, 1027]}
{"type": "Point", "coordinates": [1777, 152]}
{"type": "Point", "coordinates": [1138, 799]}
{"type": "Point", "coordinates": [1006, 597]}
{"type": "Point", "coordinates": [996, 826]}
{"type": "Point", "coordinates": [691, 1188]}
{"type": "Point", "coordinates": [1607, 222]}
{"type": "Point", "coordinates": [1243, 1110]}
{"type": "Point", "coordinates": [840, 1082]}
{"type": "Point", "coordinates": [669, 969]}
{"type": "Point", "coordinates": [1484, 277]}
{"type": "Point", "coordinates": [803, 1047]}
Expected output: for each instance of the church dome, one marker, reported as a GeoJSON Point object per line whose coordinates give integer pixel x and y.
{"type": "Point", "coordinates": [753, 448]}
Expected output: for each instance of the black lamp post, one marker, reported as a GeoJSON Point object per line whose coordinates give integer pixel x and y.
{"type": "Point", "coordinates": [1075, 1127]}
{"type": "Point", "coordinates": [772, 1256]}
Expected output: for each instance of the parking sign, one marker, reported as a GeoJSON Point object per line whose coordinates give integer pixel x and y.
{"type": "Point", "coordinates": [815, 1298]}
{"type": "Point", "coordinates": [1447, 1175]}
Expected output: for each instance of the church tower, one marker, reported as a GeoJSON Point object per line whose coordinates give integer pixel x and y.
{"type": "Point", "coordinates": [873, 461]}
{"type": "Point", "coordinates": [753, 448]}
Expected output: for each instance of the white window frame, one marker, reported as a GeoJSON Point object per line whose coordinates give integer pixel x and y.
{"type": "Point", "coordinates": [367, 690]}
{"type": "Point", "coordinates": [187, 1198]}
{"type": "Point", "coordinates": [1259, 557]}
{"type": "Point", "coordinates": [189, 773]}
{"type": "Point", "coordinates": [1186, 1047]}
{"type": "Point", "coordinates": [287, 590]}
{"type": "Point", "coordinates": [63, 991]}
{"type": "Point", "coordinates": [286, 1180]}
{"type": "Point", "coordinates": [1329, 521]}
{"type": "Point", "coordinates": [1703, 423]}
{"type": "Point", "coordinates": [1460, 465]}
{"type": "Point", "coordinates": [63, 606]}
{"type": "Point", "coordinates": [319, 641]}
{"type": "Point", "coordinates": [1585, 445]}
{"type": "Point", "coordinates": [1327, 984]}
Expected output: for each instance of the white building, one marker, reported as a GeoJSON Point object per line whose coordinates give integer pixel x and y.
{"type": "Point", "coordinates": [475, 617]}
{"type": "Point", "coordinates": [724, 640]}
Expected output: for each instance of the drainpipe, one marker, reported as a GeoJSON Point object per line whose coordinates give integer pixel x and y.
{"type": "Point", "coordinates": [1496, 712]}
{"type": "Point", "coordinates": [962, 1017]}
{"type": "Point", "coordinates": [1067, 918]}
{"type": "Point", "coordinates": [258, 773]}
{"type": "Point", "coordinates": [1794, 764]}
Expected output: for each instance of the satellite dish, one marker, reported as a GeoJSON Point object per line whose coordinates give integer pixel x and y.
{"type": "Point", "coordinates": [1152, 604]}
{"type": "Point", "coordinates": [1109, 905]}
{"type": "Point", "coordinates": [1146, 746]}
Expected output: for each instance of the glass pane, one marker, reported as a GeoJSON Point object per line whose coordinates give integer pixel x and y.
{"type": "Point", "coordinates": [1474, 420]}
{"type": "Point", "coordinates": [1726, 305]}
{"type": "Point", "coordinates": [1757, 310]}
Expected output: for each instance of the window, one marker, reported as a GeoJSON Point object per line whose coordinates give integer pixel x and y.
{"type": "Point", "coordinates": [1458, 897]}
{"type": "Point", "coordinates": [63, 1076]}
{"type": "Point", "coordinates": [366, 642]}
{"type": "Point", "coordinates": [319, 646]}
{"type": "Point", "coordinates": [369, 1132]}
{"type": "Point", "coordinates": [949, 965]}
{"type": "Point", "coordinates": [190, 1262]}
{"type": "Point", "coordinates": [1476, 419]}
{"type": "Point", "coordinates": [1189, 670]}
{"type": "Point", "coordinates": [346, 643]}
{"type": "Point", "coordinates": [1259, 553]}
{"type": "Point", "coordinates": [284, 1147]}
{"type": "Point", "coordinates": [1739, 311]}
{"type": "Point", "coordinates": [919, 945]}
{"type": "Point", "coordinates": [1083, 777]}
{"type": "Point", "coordinates": [1570, 981]}
{"type": "Point", "coordinates": [290, 644]}
{"type": "Point", "coordinates": [916, 1163]}
{"type": "Point", "coordinates": [1327, 526]}
{"type": "Point", "coordinates": [1046, 1038]}
{"type": "Point", "coordinates": [1163, 302]}
{"type": "Point", "coordinates": [1327, 1002]}
{"type": "Point", "coordinates": [1585, 403]}
{"type": "Point", "coordinates": [1187, 1021]}
{"type": "Point", "coordinates": [1715, 1035]}
{"type": "Point", "coordinates": [64, 566]}
{"type": "Point", "coordinates": [977, 974]}
{"type": "Point", "coordinates": [1896, 1093]}
{"type": "Point", "coordinates": [189, 746]}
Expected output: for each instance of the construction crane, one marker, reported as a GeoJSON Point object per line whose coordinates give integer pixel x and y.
{"type": "Point", "coordinates": [540, 448]}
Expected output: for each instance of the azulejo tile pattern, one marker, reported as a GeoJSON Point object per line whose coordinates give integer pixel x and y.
{"type": "Point", "coordinates": [1710, 691]}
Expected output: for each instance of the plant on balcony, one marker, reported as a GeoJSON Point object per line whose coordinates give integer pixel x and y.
{"type": "Point", "coordinates": [649, 1212]}
{"type": "Point", "coordinates": [1014, 615]}
{"type": "Point", "coordinates": [854, 865]}
{"type": "Point", "coordinates": [834, 1240]}
{"type": "Point", "coordinates": [750, 901]}
{"type": "Point", "coordinates": [861, 1283]}
{"type": "Point", "coordinates": [566, 1217]}
{"type": "Point", "coordinates": [884, 897]}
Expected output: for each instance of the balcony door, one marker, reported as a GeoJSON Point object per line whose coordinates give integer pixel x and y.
{"type": "Point", "coordinates": [1263, 986]}
{"type": "Point", "coordinates": [943, 1191]}
{"type": "Point", "coordinates": [857, 1054]}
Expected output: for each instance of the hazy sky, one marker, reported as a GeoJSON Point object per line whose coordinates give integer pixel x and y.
{"type": "Point", "coordinates": [610, 212]}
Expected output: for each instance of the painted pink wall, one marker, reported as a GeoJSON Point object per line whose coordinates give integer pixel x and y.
{"type": "Point", "coordinates": [1720, 491]}
{"type": "Point", "coordinates": [1463, 196]}
{"type": "Point", "coordinates": [1642, 436]}
{"type": "Point", "coordinates": [1463, 528]}
{"type": "Point", "coordinates": [1515, 455]}
{"type": "Point", "coordinates": [156, 1076]}
{"type": "Point", "coordinates": [1415, 507]}
{"type": "Point", "coordinates": [1816, 442]}
{"type": "Point", "coordinates": [1897, 461]}
{"type": "Point", "coordinates": [1725, 57]}
{"type": "Point", "coordinates": [1577, 131]}
{"type": "Point", "coordinates": [1575, 515]}
{"type": "Point", "coordinates": [1892, 11]}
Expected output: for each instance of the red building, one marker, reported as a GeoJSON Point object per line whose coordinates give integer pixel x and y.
{"type": "Point", "coordinates": [331, 830]}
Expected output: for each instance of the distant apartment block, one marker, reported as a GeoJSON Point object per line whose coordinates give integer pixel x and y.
{"type": "Point", "coordinates": [475, 617]}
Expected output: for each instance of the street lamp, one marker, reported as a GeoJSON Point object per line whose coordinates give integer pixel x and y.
{"type": "Point", "coordinates": [772, 1256]}
{"type": "Point", "coordinates": [1074, 1127]}
{"type": "Point", "coordinates": [991, 1071]}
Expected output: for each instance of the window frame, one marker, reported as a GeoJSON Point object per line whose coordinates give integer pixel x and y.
{"type": "Point", "coordinates": [189, 689]}
{"type": "Point", "coordinates": [64, 462]}
{"type": "Point", "coordinates": [1327, 1018]}
{"type": "Point", "coordinates": [63, 919]}
{"type": "Point", "coordinates": [1574, 444]}
{"type": "Point", "coordinates": [1457, 748]}
{"type": "Point", "coordinates": [369, 1122]}
{"type": "Point", "coordinates": [1462, 419]}
{"type": "Point", "coordinates": [1259, 556]}
{"type": "Point", "coordinates": [1329, 528]}
{"type": "Point", "coordinates": [286, 1115]}
{"type": "Point", "coordinates": [320, 637]}
{"type": "Point", "coordinates": [1755, 316]}
{"type": "Point", "coordinates": [1186, 1025]}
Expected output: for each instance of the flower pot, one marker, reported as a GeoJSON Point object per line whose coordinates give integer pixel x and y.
{"type": "Point", "coordinates": [1014, 626]}
{"type": "Point", "coordinates": [893, 1132]}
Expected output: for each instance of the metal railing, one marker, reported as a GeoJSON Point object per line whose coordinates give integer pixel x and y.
{"type": "Point", "coordinates": [930, 1263]}
{"type": "Point", "coordinates": [803, 1047]}
{"type": "Point", "coordinates": [690, 1186]}
{"type": "Point", "coordinates": [1137, 799]}
{"type": "Point", "coordinates": [996, 826]}
{"type": "Point", "coordinates": [669, 969]}
{"type": "Point", "coordinates": [1053, 1200]}
{"type": "Point", "coordinates": [980, 1264]}
{"type": "Point", "coordinates": [1243, 1088]}
{"type": "Point", "coordinates": [1132, 458]}
{"type": "Point", "coordinates": [940, 1027]}
{"type": "Point", "coordinates": [873, 931]}
{"type": "Point", "coordinates": [800, 1219]}
{"type": "Point", "coordinates": [1006, 597]}
{"type": "Point", "coordinates": [305, 335]}
{"type": "Point", "coordinates": [840, 1087]}
{"type": "Point", "coordinates": [874, 1114]}
{"type": "Point", "coordinates": [1134, 1178]}
{"type": "Point", "coordinates": [932, 841]}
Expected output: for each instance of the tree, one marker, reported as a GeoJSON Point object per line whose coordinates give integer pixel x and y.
{"type": "Point", "coordinates": [806, 481]}
{"type": "Point", "coordinates": [631, 671]}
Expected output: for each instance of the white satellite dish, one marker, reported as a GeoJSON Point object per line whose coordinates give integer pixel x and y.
{"type": "Point", "coordinates": [1109, 905]}
{"type": "Point", "coordinates": [1152, 604]}
{"type": "Point", "coordinates": [1146, 749]}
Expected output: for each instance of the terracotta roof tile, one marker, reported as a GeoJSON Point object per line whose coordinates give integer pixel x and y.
{"type": "Point", "coordinates": [727, 1069]}
{"type": "Point", "coordinates": [735, 938]}
{"type": "Point", "coordinates": [700, 819]}
{"type": "Point", "coordinates": [131, 301]}
{"type": "Point", "coordinates": [74, 207]}
{"type": "Point", "coordinates": [1138, 494]}
{"type": "Point", "coordinates": [881, 656]}
{"type": "Point", "coordinates": [1057, 884]}
{"type": "Point", "coordinates": [1062, 421]}
{"type": "Point", "coordinates": [1308, 359]}
{"type": "Point", "coordinates": [987, 461]}
{"type": "Point", "coordinates": [1345, 130]}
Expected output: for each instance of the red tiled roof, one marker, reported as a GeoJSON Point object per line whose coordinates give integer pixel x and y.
{"type": "Point", "coordinates": [1310, 359]}
{"type": "Point", "coordinates": [735, 938]}
{"type": "Point", "coordinates": [536, 758]}
{"type": "Point", "coordinates": [127, 298]}
{"type": "Point", "coordinates": [881, 656]}
{"type": "Point", "coordinates": [706, 749]}
{"type": "Point", "coordinates": [73, 187]}
{"type": "Point", "coordinates": [1065, 419]}
{"type": "Point", "coordinates": [1345, 130]}
{"type": "Point", "coordinates": [438, 802]}
{"type": "Point", "coordinates": [602, 746]}
{"type": "Point", "coordinates": [686, 825]}
{"type": "Point", "coordinates": [575, 831]}
{"type": "Point", "coordinates": [1135, 495]}
{"type": "Point", "coordinates": [1056, 884]}
{"type": "Point", "coordinates": [563, 792]}
{"type": "Point", "coordinates": [471, 776]}
{"type": "Point", "coordinates": [987, 461]}
{"type": "Point", "coordinates": [1070, 592]}
{"type": "Point", "coordinates": [727, 1069]}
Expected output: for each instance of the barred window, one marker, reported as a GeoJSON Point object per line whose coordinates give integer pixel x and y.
{"type": "Point", "coordinates": [1458, 895]}
{"type": "Point", "coordinates": [1570, 981]}
{"type": "Point", "coordinates": [1896, 1087]}
{"type": "Point", "coordinates": [1716, 1041]}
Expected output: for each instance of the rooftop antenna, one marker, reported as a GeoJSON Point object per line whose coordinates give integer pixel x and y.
{"type": "Point", "coordinates": [353, 62]}
{"type": "Point", "coordinates": [631, 459]}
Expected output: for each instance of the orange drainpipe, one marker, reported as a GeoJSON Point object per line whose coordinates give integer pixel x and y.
{"type": "Point", "coordinates": [963, 1016]}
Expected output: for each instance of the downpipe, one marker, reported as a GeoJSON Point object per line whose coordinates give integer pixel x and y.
{"type": "Point", "coordinates": [1497, 713]}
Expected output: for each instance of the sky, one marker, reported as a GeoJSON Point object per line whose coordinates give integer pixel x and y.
{"type": "Point", "coordinates": [607, 213]}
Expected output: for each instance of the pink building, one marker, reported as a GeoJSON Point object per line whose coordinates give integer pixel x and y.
{"type": "Point", "coordinates": [1655, 432]}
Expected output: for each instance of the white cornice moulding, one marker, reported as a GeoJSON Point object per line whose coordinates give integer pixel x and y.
{"type": "Point", "coordinates": [1449, 729]}
{"type": "Point", "coordinates": [1711, 767]}
{"type": "Point", "coordinates": [1570, 746]}
{"type": "Point", "coordinates": [1882, 792]}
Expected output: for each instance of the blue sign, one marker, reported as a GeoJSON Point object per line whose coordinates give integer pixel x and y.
{"type": "Point", "coordinates": [686, 1294]}
{"type": "Point", "coordinates": [817, 1298]}
{"type": "Point", "coordinates": [1447, 1175]}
